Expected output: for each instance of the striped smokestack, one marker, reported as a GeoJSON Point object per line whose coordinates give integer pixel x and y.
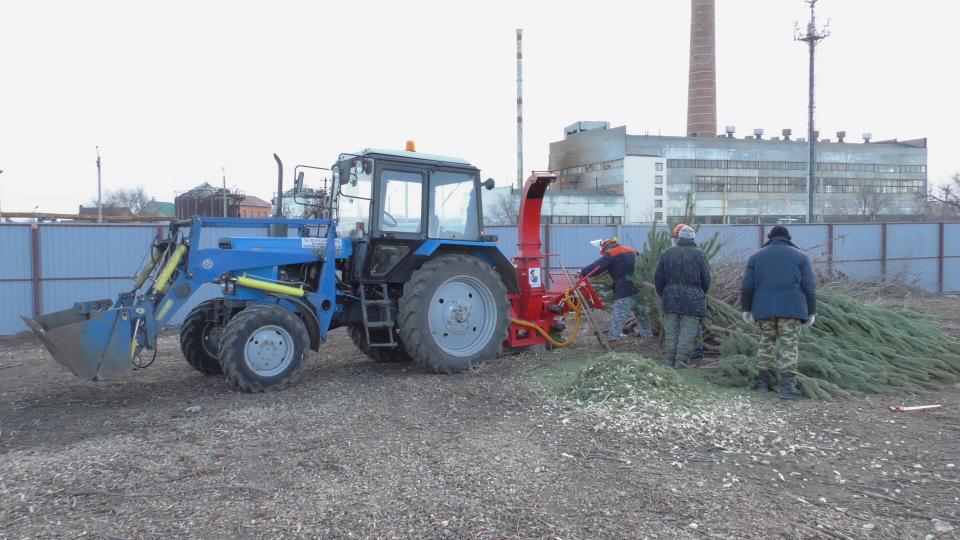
{"type": "Point", "coordinates": [520, 109]}
{"type": "Point", "coordinates": [702, 89]}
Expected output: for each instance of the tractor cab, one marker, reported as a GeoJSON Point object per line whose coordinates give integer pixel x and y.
{"type": "Point", "coordinates": [396, 205]}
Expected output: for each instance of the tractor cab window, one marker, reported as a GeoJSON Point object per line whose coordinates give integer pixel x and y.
{"type": "Point", "coordinates": [356, 188]}
{"type": "Point", "coordinates": [453, 206]}
{"type": "Point", "coordinates": [401, 196]}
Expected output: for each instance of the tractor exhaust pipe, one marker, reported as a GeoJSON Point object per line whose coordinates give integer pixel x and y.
{"type": "Point", "coordinates": [277, 229]}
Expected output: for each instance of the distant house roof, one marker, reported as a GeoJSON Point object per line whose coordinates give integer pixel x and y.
{"type": "Point", "coordinates": [158, 208]}
{"type": "Point", "coordinates": [250, 200]}
{"type": "Point", "coordinates": [203, 190]}
{"type": "Point", "coordinates": [107, 211]}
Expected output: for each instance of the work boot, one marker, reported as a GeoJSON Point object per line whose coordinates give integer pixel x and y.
{"type": "Point", "coordinates": [788, 387]}
{"type": "Point", "coordinates": [682, 362]}
{"type": "Point", "coordinates": [764, 378]}
{"type": "Point", "coordinates": [665, 360]}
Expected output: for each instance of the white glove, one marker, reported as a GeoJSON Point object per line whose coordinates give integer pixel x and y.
{"type": "Point", "coordinates": [810, 321]}
{"type": "Point", "coordinates": [748, 317]}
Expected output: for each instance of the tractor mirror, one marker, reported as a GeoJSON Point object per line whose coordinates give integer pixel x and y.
{"type": "Point", "coordinates": [362, 166]}
{"type": "Point", "coordinates": [489, 183]}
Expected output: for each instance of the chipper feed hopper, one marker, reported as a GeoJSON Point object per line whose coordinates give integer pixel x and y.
{"type": "Point", "coordinates": [395, 253]}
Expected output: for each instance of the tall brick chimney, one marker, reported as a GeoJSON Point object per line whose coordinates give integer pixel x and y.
{"type": "Point", "coordinates": [702, 88]}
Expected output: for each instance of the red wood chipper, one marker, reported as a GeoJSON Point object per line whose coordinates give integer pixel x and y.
{"type": "Point", "coordinates": [538, 314]}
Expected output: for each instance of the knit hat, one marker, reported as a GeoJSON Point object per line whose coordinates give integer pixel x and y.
{"type": "Point", "coordinates": [686, 233]}
{"type": "Point", "coordinates": [779, 230]}
{"type": "Point", "coordinates": [677, 229]}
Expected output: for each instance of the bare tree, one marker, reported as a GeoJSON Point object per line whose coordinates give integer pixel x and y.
{"type": "Point", "coordinates": [505, 210]}
{"type": "Point", "coordinates": [948, 194]}
{"type": "Point", "coordinates": [133, 198]}
{"type": "Point", "coordinates": [870, 200]}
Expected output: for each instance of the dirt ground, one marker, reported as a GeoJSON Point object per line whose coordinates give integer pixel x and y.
{"type": "Point", "coordinates": [358, 449]}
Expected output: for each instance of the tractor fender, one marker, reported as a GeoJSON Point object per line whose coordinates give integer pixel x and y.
{"type": "Point", "coordinates": [307, 315]}
{"type": "Point", "coordinates": [488, 252]}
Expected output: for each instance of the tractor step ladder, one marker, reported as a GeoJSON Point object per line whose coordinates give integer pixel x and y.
{"type": "Point", "coordinates": [378, 305]}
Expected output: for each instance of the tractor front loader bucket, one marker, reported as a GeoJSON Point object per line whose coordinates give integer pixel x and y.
{"type": "Point", "coordinates": [92, 339]}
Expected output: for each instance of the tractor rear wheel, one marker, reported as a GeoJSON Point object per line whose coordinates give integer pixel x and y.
{"type": "Point", "coordinates": [383, 355]}
{"type": "Point", "coordinates": [453, 314]}
{"type": "Point", "coordinates": [200, 338]}
{"type": "Point", "coordinates": [264, 349]}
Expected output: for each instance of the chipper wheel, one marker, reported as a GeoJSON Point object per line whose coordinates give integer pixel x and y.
{"type": "Point", "coordinates": [200, 338]}
{"type": "Point", "coordinates": [383, 355]}
{"type": "Point", "coordinates": [264, 349]}
{"type": "Point", "coordinates": [453, 314]}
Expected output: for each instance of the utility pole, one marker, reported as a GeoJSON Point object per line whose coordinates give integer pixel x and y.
{"type": "Point", "coordinates": [812, 37]}
{"type": "Point", "coordinates": [519, 109]}
{"type": "Point", "coordinates": [99, 198]}
{"type": "Point", "coordinates": [224, 171]}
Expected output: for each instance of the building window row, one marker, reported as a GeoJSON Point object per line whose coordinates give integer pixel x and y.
{"type": "Point", "coordinates": [789, 184]}
{"type": "Point", "coordinates": [592, 167]}
{"type": "Point", "coordinates": [735, 164]}
{"type": "Point", "coordinates": [871, 167]}
{"type": "Point", "coordinates": [750, 184]}
{"type": "Point", "coordinates": [583, 220]}
{"type": "Point", "coordinates": [857, 185]}
{"type": "Point", "coordinates": [791, 166]}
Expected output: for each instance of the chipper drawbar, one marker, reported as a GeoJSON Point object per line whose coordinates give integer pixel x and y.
{"type": "Point", "coordinates": [393, 250]}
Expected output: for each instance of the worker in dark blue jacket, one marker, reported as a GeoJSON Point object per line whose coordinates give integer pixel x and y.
{"type": "Point", "coordinates": [620, 261]}
{"type": "Point", "coordinates": [779, 292]}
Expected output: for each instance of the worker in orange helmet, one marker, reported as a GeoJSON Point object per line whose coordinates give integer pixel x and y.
{"type": "Point", "coordinates": [620, 261]}
{"type": "Point", "coordinates": [675, 236]}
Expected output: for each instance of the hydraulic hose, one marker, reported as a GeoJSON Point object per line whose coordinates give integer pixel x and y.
{"type": "Point", "coordinates": [577, 310]}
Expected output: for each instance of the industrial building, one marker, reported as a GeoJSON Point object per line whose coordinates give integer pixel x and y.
{"type": "Point", "coordinates": [606, 175]}
{"type": "Point", "coordinates": [740, 180]}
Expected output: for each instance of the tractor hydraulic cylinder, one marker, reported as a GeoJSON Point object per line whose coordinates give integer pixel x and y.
{"type": "Point", "coordinates": [267, 286]}
{"type": "Point", "coordinates": [141, 278]}
{"type": "Point", "coordinates": [167, 271]}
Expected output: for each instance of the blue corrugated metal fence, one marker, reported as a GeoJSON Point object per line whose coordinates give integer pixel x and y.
{"type": "Point", "coordinates": [48, 267]}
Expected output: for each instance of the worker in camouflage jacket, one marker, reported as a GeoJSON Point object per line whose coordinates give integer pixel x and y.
{"type": "Point", "coordinates": [682, 279]}
{"type": "Point", "coordinates": [620, 261]}
{"type": "Point", "coordinates": [779, 292]}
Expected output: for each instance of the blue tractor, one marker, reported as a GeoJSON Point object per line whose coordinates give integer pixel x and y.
{"type": "Point", "coordinates": [394, 251]}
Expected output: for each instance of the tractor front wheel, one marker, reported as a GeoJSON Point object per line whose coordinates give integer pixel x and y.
{"type": "Point", "coordinates": [264, 349]}
{"type": "Point", "coordinates": [453, 314]}
{"type": "Point", "coordinates": [200, 337]}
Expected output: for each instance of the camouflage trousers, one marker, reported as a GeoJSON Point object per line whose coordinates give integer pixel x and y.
{"type": "Point", "coordinates": [621, 312]}
{"type": "Point", "coordinates": [779, 344]}
{"type": "Point", "coordinates": [681, 333]}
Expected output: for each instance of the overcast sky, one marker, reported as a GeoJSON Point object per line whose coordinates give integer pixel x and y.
{"type": "Point", "coordinates": [172, 91]}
